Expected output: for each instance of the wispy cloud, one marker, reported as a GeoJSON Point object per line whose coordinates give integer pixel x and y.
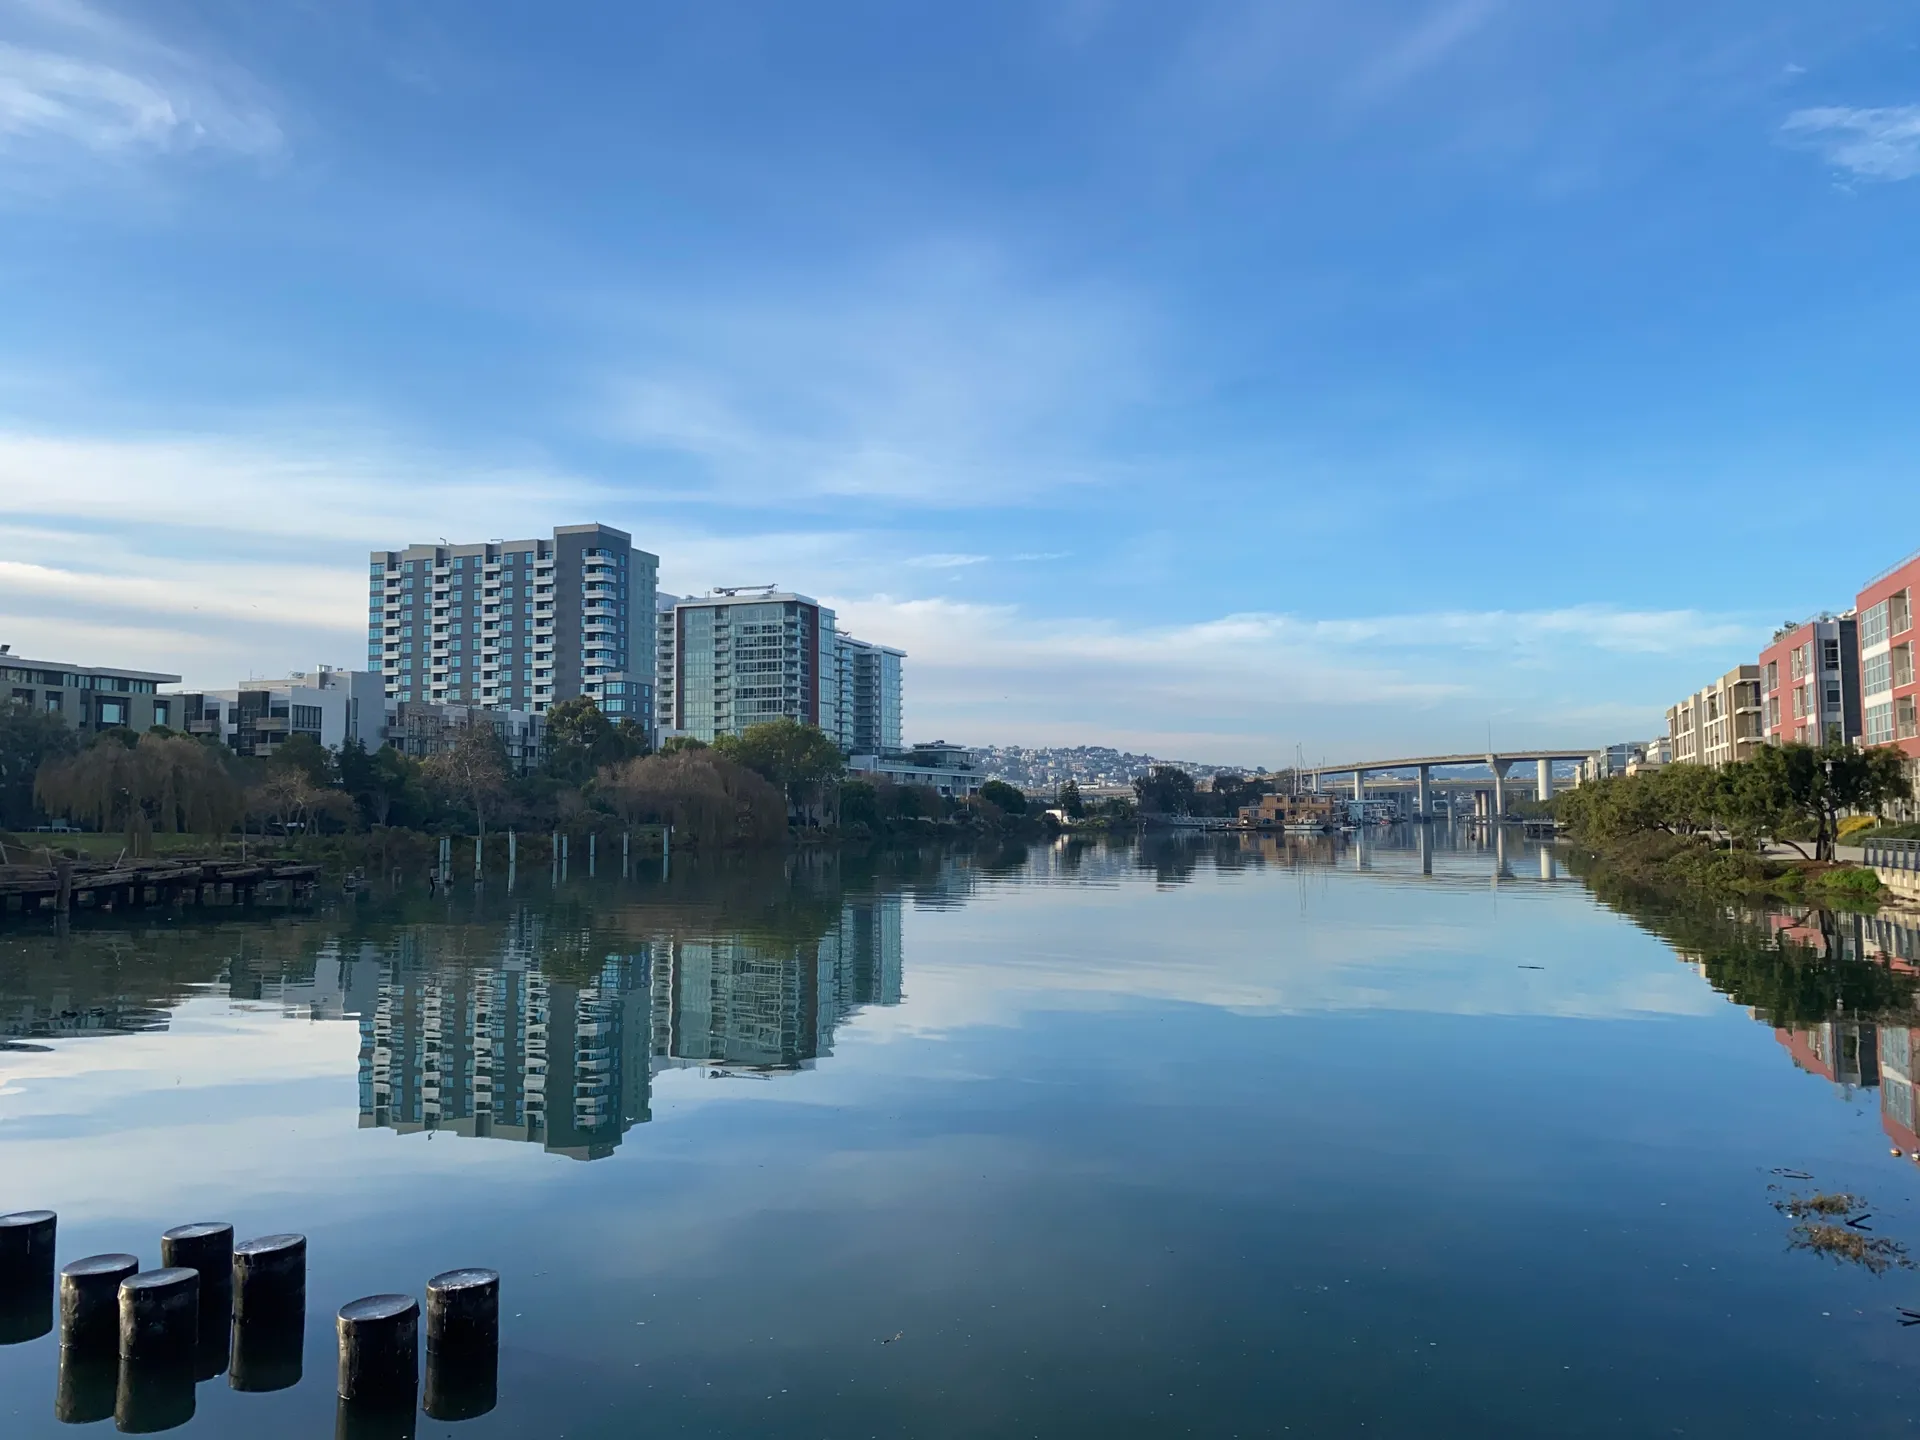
{"type": "Point", "coordinates": [1425, 46]}
{"type": "Point", "coordinates": [1878, 143]}
{"type": "Point", "coordinates": [1245, 687]}
{"type": "Point", "coordinates": [74, 79]}
{"type": "Point", "coordinates": [939, 378]}
{"type": "Point", "coordinates": [948, 562]}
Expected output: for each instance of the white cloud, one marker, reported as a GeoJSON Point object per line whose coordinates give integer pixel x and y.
{"type": "Point", "coordinates": [1880, 143]}
{"type": "Point", "coordinates": [948, 562]}
{"type": "Point", "coordinates": [1245, 688]}
{"type": "Point", "coordinates": [73, 78]}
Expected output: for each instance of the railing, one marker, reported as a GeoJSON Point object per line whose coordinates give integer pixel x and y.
{"type": "Point", "coordinates": [1892, 854]}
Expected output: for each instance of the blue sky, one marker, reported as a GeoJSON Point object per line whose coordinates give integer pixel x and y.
{"type": "Point", "coordinates": [1212, 378]}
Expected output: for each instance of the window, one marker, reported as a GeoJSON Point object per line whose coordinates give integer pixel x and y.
{"type": "Point", "coordinates": [1873, 626]}
{"type": "Point", "coordinates": [162, 712]}
{"type": "Point", "coordinates": [1903, 664]}
{"type": "Point", "coordinates": [1830, 654]}
{"type": "Point", "coordinates": [1880, 723]}
{"type": "Point", "coordinates": [1899, 614]}
{"type": "Point", "coordinates": [1877, 674]}
{"type": "Point", "coordinates": [54, 701]}
{"type": "Point", "coordinates": [1773, 676]}
{"type": "Point", "coordinates": [113, 712]}
{"type": "Point", "coordinates": [306, 717]}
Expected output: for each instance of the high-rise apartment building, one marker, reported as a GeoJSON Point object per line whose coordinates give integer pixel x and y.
{"type": "Point", "coordinates": [869, 705]}
{"type": "Point", "coordinates": [519, 624]}
{"type": "Point", "coordinates": [744, 656]}
{"type": "Point", "coordinates": [1719, 724]}
{"type": "Point", "coordinates": [1810, 683]}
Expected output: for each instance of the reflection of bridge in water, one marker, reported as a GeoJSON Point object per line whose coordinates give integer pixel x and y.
{"type": "Point", "coordinates": [1421, 783]}
{"type": "Point", "coordinates": [1493, 854]}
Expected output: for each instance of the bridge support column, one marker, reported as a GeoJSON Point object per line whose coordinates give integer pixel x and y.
{"type": "Point", "coordinates": [1359, 784]}
{"type": "Point", "coordinates": [1423, 803]}
{"type": "Point", "coordinates": [1543, 786]}
{"type": "Point", "coordinates": [1499, 768]}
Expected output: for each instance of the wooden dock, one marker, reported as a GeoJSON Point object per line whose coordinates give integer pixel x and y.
{"type": "Point", "coordinates": [71, 885]}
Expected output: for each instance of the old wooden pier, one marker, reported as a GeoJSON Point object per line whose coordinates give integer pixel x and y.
{"type": "Point", "coordinates": [70, 885]}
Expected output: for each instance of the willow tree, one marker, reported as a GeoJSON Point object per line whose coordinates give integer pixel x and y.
{"type": "Point", "coordinates": [166, 783]}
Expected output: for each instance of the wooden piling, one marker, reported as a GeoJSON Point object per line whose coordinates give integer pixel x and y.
{"type": "Point", "coordinates": [26, 1275]}
{"type": "Point", "coordinates": [160, 1315]}
{"type": "Point", "coordinates": [379, 1348]}
{"type": "Point", "coordinates": [90, 1302]}
{"type": "Point", "coordinates": [270, 1279]}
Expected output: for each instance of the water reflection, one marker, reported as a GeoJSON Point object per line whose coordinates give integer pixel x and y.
{"type": "Point", "coordinates": [1114, 1037]}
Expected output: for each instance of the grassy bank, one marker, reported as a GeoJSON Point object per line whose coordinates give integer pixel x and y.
{"type": "Point", "coordinates": [1690, 862]}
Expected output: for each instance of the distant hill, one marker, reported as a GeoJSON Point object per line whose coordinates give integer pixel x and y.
{"type": "Point", "coordinates": [1047, 767]}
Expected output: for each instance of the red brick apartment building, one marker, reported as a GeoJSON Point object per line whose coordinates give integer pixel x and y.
{"type": "Point", "coordinates": [1810, 683]}
{"type": "Point", "coordinates": [1887, 690]}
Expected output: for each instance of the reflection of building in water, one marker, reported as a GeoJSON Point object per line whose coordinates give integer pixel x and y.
{"type": "Point", "coordinates": [773, 1006]}
{"type": "Point", "coordinates": [509, 1051]}
{"type": "Point", "coordinates": [508, 1048]}
{"type": "Point", "coordinates": [1843, 1051]}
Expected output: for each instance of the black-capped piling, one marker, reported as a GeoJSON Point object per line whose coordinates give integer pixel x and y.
{"type": "Point", "coordinates": [206, 1246]}
{"type": "Point", "coordinates": [26, 1275]}
{"type": "Point", "coordinates": [379, 1348]}
{"type": "Point", "coordinates": [90, 1303]}
{"type": "Point", "coordinates": [160, 1316]}
{"type": "Point", "coordinates": [463, 1343]}
{"type": "Point", "coordinates": [269, 1280]}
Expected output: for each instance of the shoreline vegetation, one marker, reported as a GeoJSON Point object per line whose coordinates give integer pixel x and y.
{"type": "Point", "coordinates": [1689, 827]}
{"type": "Point", "coordinates": [774, 785]}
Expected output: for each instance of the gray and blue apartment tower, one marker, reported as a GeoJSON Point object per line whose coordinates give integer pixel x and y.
{"type": "Point", "coordinates": [513, 624]}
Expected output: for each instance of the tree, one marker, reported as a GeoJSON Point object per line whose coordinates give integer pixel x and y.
{"type": "Point", "coordinates": [473, 767]}
{"type": "Point", "coordinates": [167, 783]}
{"type": "Point", "coordinates": [308, 756]}
{"type": "Point", "coordinates": [674, 744]}
{"type": "Point", "coordinates": [581, 740]}
{"type": "Point", "coordinates": [1005, 797]}
{"type": "Point", "coordinates": [29, 738]}
{"type": "Point", "coordinates": [703, 795]}
{"type": "Point", "coordinates": [1165, 790]}
{"type": "Point", "coordinates": [800, 759]}
{"type": "Point", "coordinates": [1070, 803]}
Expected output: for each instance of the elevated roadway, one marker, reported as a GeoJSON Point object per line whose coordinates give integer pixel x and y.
{"type": "Point", "coordinates": [1497, 763]}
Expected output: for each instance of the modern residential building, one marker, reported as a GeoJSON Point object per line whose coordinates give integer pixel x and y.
{"type": "Point", "coordinates": [1719, 724]}
{"type": "Point", "coordinates": [512, 623]}
{"type": "Point", "coordinates": [869, 704]}
{"type": "Point", "coordinates": [743, 656]}
{"type": "Point", "coordinates": [421, 729]}
{"type": "Point", "coordinates": [1810, 682]}
{"type": "Point", "coordinates": [331, 705]}
{"type": "Point", "coordinates": [950, 769]}
{"type": "Point", "coordinates": [87, 697]}
{"type": "Point", "coordinates": [1887, 686]}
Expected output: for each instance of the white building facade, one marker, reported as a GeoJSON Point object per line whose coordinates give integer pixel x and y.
{"type": "Point", "coordinates": [745, 656]}
{"type": "Point", "coordinates": [512, 624]}
{"type": "Point", "coordinates": [331, 706]}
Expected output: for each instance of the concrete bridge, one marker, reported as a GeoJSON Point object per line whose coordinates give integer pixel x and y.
{"type": "Point", "coordinates": [1497, 764]}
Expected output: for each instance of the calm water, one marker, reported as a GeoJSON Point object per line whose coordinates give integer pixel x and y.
{"type": "Point", "coordinates": [1188, 1138]}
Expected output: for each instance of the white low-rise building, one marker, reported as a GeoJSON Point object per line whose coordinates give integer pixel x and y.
{"type": "Point", "coordinates": [949, 769]}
